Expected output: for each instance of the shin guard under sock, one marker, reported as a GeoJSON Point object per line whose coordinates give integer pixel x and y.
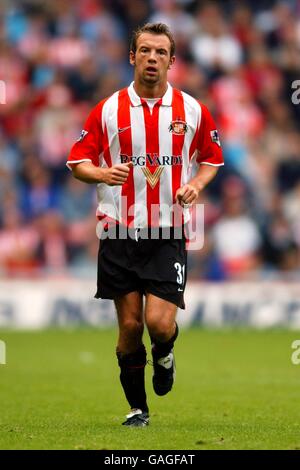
{"type": "Point", "coordinates": [160, 349]}
{"type": "Point", "coordinates": [132, 377]}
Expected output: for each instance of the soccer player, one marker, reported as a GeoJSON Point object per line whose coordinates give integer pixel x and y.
{"type": "Point", "coordinates": [137, 146]}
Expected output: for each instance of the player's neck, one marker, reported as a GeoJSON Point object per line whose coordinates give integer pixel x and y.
{"type": "Point", "coordinates": [144, 91]}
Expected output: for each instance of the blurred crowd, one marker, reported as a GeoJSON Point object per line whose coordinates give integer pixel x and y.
{"type": "Point", "coordinates": [58, 58]}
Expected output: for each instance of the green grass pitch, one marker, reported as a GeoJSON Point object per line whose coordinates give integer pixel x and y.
{"type": "Point", "coordinates": [235, 389]}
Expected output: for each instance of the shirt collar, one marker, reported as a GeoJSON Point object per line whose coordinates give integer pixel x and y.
{"type": "Point", "coordinates": [136, 100]}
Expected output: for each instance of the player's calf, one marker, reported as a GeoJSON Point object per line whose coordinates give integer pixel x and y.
{"type": "Point", "coordinates": [164, 368]}
{"type": "Point", "coordinates": [132, 378]}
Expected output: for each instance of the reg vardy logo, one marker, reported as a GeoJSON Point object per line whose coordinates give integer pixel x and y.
{"type": "Point", "coordinates": [152, 159]}
{"type": "Point", "coordinates": [152, 165]}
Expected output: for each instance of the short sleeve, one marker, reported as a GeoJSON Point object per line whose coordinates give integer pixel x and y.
{"type": "Point", "coordinates": [89, 145]}
{"type": "Point", "coordinates": [208, 145]}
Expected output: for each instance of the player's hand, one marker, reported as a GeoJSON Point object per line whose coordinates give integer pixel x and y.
{"type": "Point", "coordinates": [117, 175]}
{"type": "Point", "coordinates": [186, 195]}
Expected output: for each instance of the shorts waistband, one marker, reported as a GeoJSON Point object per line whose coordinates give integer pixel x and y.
{"type": "Point", "coordinates": [119, 231]}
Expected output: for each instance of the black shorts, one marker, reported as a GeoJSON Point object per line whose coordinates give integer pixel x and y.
{"type": "Point", "coordinates": [156, 266]}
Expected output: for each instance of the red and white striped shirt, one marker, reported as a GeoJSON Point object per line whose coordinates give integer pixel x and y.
{"type": "Point", "coordinates": [162, 143]}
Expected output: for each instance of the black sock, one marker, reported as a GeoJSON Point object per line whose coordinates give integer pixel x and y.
{"type": "Point", "coordinates": [160, 349]}
{"type": "Point", "coordinates": [132, 377]}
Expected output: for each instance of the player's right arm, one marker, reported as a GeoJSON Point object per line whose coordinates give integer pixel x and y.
{"type": "Point", "coordinates": [89, 173]}
{"type": "Point", "coordinates": [84, 159]}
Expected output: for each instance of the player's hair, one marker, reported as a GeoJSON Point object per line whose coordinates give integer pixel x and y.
{"type": "Point", "coordinates": [153, 28]}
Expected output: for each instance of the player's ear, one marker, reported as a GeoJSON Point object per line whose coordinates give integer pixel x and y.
{"type": "Point", "coordinates": [132, 58]}
{"type": "Point", "coordinates": [172, 60]}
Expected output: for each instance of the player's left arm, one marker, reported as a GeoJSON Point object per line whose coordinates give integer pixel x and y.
{"type": "Point", "coordinates": [209, 158]}
{"type": "Point", "coordinates": [189, 192]}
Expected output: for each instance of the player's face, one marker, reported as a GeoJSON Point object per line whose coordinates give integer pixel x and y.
{"type": "Point", "coordinates": [152, 58]}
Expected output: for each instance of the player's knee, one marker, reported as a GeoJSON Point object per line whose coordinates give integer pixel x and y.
{"type": "Point", "coordinates": [161, 329]}
{"type": "Point", "coordinates": [131, 326]}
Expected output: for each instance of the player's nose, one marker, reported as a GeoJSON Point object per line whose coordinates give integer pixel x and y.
{"type": "Point", "coordinates": [152, 57]}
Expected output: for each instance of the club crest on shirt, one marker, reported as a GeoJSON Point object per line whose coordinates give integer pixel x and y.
{"type": "Point", "coordinates": [178, 127]}
{"type": "Point", "coordinates": [82, 135]}
{"type": "Point", "coordinates": [215, 137]}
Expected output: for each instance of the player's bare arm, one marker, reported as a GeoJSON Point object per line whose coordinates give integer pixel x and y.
{"type": "Point", "coordinates": [189, 192]}
{"type": "Point", "coordinates": [115, 176]}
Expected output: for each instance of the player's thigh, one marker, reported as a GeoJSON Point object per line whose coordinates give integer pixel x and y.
{"type": "Point", "coordinates": [159, 313]}
{"type": "Point", "coordinates": [129, 308]}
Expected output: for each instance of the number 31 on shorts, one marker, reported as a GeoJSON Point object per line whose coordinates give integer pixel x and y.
{"type": "Point", "coordinates": [180, 268]}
